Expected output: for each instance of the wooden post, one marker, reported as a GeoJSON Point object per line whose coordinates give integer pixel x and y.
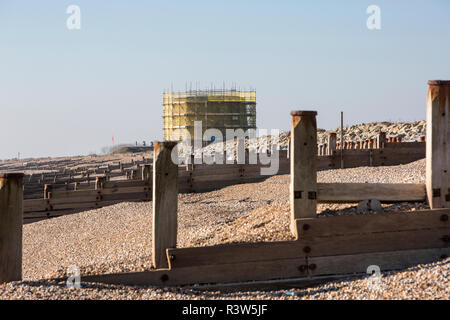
{"type": "Point", "coordinates": [192, 161]}
{"type": "Point", "coordinates": [331, 143]}
{"type": "Point", "coordinates": [381, 140]}
{"type": "Point", "coordinates": [303, 188]}
{"type": "Point", "coordinates": [11, 221]}
{"type": "Point", "coordinates": [342, 140]}
{"type": "Point", "coordinates": [146, 172]}
{"type": "Point", "coordinates": [289, 148]}
{"type": "Point", "coordinates": [438, 144]}
{"type": "Point", "coordinates": [165, 202]}
{"type": "Point", "coordinates": [48, 188]}
{"type": "Point", "coordinates": [99, 182]}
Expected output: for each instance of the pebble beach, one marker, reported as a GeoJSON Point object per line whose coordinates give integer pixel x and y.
{"type": "Point", "coordinates": [118, 239]}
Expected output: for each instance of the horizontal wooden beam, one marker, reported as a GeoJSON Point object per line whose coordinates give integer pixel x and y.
{"type": "Point", "coordinates": [393, 260]}
{"type": "Point", "coordinates": [384, 192]}
{"type": "Point", "coordinates": [273, 270]}
{"type": "Point", "coordinates": [372, 223]}
{"type": "Point", "coordinates": [340, 245]}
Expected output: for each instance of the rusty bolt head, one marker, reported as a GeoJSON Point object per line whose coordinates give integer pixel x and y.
{"type": "Point", "coordinates": [312, 266]}
{"type": "Point", "coordinates": [306, 249]}
{"type": "Point", "coordinates": [302, 268]}
{"type": "Point", "coordinates": [444, 218]}
{"type": "Point", "coordinates": [306, 226]}
{"type": "Point", "coordinates": [164, 277]}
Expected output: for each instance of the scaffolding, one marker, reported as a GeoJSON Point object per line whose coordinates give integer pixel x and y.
{"type": "Point", "coordinates": [216, 109]}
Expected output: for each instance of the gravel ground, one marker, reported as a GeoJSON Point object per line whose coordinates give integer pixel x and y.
{"type": "Point", "coordinates": [118, 239]}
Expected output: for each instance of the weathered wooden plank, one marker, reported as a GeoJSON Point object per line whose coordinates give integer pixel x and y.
{"type": "Point", "coordinates": [224, 169]}
{"type": "Point", "coordinates": [271, 270]}
{"type": "Point", "coordinates": [124, 190]}
{"type": "Point", "coordinates": [216, 177]}
{"type": "Point", "coordinates": [141, 196]}
{"type": "Point", "coordinates": [31, 217]}
{"type": "Point", "coordinates": [376, 242]}
{"type": "Point", "coordinates": [246, 271]}
{"type": "Point", "coordinates": [384, 192]}
{"type": "Point", "coordinates": [75, 205]}
{"type": "Point", "coordinates": [165, 202]}
{"type": "Point", "coordinates": [372, 223]}
{"type": "Point", "coordinates": [11, 216]}
{"type": "Point", "coordinates": [233, 253]}
{"type": "Point", "coordinates": [74, 199]}
{"type": "Point", "coordinates": [303, 184]}
{"type": "Point", "coordinates": [75, 194]}
{"type": "Point", "coordinates": [394, 260]}
{"type": "Point", "coordinates": [35, 204]}
{"type": "Point", "coordinates": [214, 185]}
{"type": "Point", "coordinates": [326, 162]}
{"type": "Point", "coordinates": [339, 245]}
{"type": "Point", "coordinates": [438, 144]}
{"type": "Point", "coordinates": [406, 145]}
{"type": "Point", "coordinates": [126, 184]}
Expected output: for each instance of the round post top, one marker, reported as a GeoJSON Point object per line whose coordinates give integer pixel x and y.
{"type": "Point", "coordinates": [11, 175]}
{"type": "Point", "coordinates": [439, 83]}
{"type": "Point", "coordinates": [303, 113]}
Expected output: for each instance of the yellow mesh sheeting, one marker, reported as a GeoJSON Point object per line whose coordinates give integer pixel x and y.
{"type": "Point", "coordinates": [215, 109]}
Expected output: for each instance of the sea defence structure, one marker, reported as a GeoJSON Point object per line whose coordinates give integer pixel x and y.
{"type": "Point", "coordinates": [216, 109]}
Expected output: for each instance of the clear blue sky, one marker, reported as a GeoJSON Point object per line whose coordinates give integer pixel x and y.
{"type": "Point", "coordinates": [68, 92]}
